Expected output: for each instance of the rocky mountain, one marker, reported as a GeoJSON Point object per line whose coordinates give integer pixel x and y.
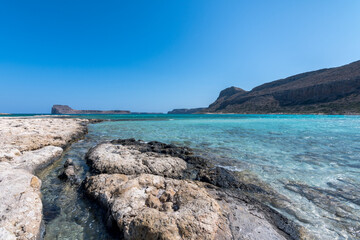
{"type": "Point", "coordinates": [65, 109]}
{"type": "Point", "coordinates": [326, 91]}
{"type": "Point", "coordinates": [186, 111]}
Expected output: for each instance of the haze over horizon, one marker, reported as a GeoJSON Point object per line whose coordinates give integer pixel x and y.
{"type": "Point", "coordinates": [160, 55]}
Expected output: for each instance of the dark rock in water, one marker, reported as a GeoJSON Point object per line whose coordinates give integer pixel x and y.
{"type": "Point", "coordinates": [186, 111]}
{"type": "Point", "coordinates": [50, 212]}
{"type": "Point", "coordinates": [326, 91]}
{"type": "Point", "coordinates": [69, 173]}
{"type": "Point", "coordinates": [65, 109]}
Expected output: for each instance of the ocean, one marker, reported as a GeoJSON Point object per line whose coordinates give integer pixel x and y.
{"type": "Point", "coordinates": [312, 160]}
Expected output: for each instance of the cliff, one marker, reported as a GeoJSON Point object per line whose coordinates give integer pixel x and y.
{"type": "Point", "coordinates": [326, 91]}
{"type": "Point", "coordinates": [65, 109]}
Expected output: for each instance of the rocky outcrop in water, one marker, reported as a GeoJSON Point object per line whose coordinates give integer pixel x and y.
{"type": "Point", "coordinates": [70, 172]}
{"type": "Point", "coordinates": [195, 201]}
{"type": "Point", "coordinates": [186, 111]}
{"type": "Point", "coordinates": [26, 146]}
{"type": "Point", "coordinates": [65, 109]}
{"type": "Point", "coordinates": [327, 91]}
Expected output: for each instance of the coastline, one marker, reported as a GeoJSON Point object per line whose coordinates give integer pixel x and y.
{"type": "Point", "coordinates": [26, 158]}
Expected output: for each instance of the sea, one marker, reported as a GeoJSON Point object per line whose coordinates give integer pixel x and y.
{"type": "Point", "coordinates": [312, 160]}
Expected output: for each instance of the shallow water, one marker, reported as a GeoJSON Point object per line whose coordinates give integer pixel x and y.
{"type": "Point", "coordinates": [313, 160]}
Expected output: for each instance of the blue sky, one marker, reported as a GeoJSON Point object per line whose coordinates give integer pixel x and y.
{"type": "Point", "coordinates": [159, 55]}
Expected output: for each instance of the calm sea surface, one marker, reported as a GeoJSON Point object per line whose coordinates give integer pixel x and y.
{"type": "Point", "coordinates": [313, 160]}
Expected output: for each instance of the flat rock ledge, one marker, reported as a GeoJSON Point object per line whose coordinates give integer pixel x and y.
{"type": "Point", "coordinates": [161, 191]}
{"type": "Point", "coordinates": [27, 146]}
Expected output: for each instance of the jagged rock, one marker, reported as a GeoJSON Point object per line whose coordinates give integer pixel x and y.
{"type": "Point", "coordinates": [117, 158]}
{"type": "Point", "coordinates": [152, 207]}
{"type": "Point", "coordinates": [239, 195]}
{"type": "Point", "coordinates": [70, 172]}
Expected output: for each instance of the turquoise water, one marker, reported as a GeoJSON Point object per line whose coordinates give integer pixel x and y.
{"type": "Point", "coordinates": [318, 156]}
{"type": "Point", "coordinates": [313, 160]}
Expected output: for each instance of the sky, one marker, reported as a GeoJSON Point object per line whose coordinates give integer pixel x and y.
{"type": "Point", "coordinates": [155, 55]}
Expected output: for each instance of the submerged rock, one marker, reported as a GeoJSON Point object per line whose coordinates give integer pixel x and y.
{"type": "Point", "coordinates": [70, 172]}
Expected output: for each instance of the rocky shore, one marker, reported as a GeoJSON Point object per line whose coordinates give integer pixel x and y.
{"type": "Point", "coordinates": [149, 190]}
{"type": "Point", "coordinates": [26, 146]}
{"type": "Point", "coordinates": [159, 191]}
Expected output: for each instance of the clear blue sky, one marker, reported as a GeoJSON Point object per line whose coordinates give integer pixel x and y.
{"type": "Point", "coordinates": [159, 55]}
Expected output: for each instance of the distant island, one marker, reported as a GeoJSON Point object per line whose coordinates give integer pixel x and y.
{"type": "Point", "coordinates": [4, 113]}
{"type": "Point", "coordinates": [186, 110]}
{"type": "Point", "coordinates": [65, 109]}
{"type": "Point", "coordinates": [325, 91]}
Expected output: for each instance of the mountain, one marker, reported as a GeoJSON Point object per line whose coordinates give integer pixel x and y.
{"type": "Point", "coordinates": [65, 109]}
{"type": "Point", "coordinates": [326, 91]}
{"type": "Point", "coordinates": [186, 111]}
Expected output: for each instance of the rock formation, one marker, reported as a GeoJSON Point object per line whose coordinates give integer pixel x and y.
{"type": "Point", "coordinates": [70, 172]}
{"type": "Point", "coordinates": [186, 111]}
{"type": "Point", "coordinates": [149, 197]}
{"type": "Point", "coordinates": [65, 109]}
{"type": "Point", "coordinates": [326, 91]}
{"type": "Point", "coordinates": [26, 146]}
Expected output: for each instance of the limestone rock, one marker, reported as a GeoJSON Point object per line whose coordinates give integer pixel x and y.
{"type": "Point", "coordinates": [21, 207]}
{"type": "Point", "coordinates": [18, 135]}
{"type": "Point", "coordinates": [37, 159]}
{"type": "Point", "coordinates": [244, 200]}
{"type": "Point", "coordinates": [117, 158]}
{"type": "Point", "coordinates": [154, 207]}
{"type": "Point", "coordinates": [27, 145]}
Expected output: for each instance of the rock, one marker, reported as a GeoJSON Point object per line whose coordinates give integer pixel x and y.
{"type": "Point", "coordinates": [141, 212]}
{"type": "Point", "coordinates": [325, 91]}
{"type": "Point", "coordinates": [37, 159]}
{"type": "Point", "coordinates": [117, 158]}
{"type": "Point", "coordinates": [65, 109]}
{"type": "Point", "coordinates": [28, 134]}
{"type": "Point", "coordinates": [241, 196]}
{"type": "Point", "coordinates": [186, 111]}
{"type": "Point", "coordinates": [69, 173]}
{"type": "Point", "coordinates": [26, 146]}
{"type": "Point", "coordinates": [21, 207]}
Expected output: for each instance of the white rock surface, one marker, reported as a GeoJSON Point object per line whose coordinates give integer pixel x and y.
{"type": "Point", "coordinates": [25, 134]}
{"type": "Point", "coordinates": [27, 145]}
{"type": "Point", "coordinates": [21, 207]}
{"type": "Point", "coordinates": [116, 158]}
{"type": "Point", "coordinates": [37, 159]}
